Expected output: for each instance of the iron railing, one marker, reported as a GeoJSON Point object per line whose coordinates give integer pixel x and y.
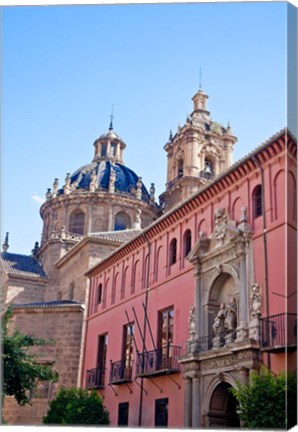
{"type": "Point", "coordinates": [120, 372]}
{"type": "Point", "coordinates": [95, 378]}
{"type": "Point", "coordinates": [278, 332]}
{"type": "Point", "coordinates": [159, 361]}
{"type": "Point", "coordinates": [206, 343]}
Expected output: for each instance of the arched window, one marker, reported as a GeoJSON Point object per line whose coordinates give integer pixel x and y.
{"type": "Point", "coordinates": [208, 171]}
{"type": "Point", "coordinates": [122, 221]}
{"type": "Point", "coordinates": [257, 201]}
{"type": "Point", "coordinates": [76, 222]}
{"type": "Point", "coordinates": [180, 167]}
{"type": "Point", "coordinates": [186, 243]}
{"type": "Point", "coordinates": [99, 294]}
{"type": "Point", "coordinates": [103, 149]}
{"type": "Point", "coordinates": [173, 251]}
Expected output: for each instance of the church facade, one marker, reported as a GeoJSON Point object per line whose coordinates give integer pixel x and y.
{"type": "Point", "coordinates": [162, 308]}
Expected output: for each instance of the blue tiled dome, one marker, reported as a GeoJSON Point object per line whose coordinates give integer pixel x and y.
{"type": "Point", "coordinates": [125, 182]}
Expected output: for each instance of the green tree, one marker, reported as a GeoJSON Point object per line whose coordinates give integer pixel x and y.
{"type": "Point", "coordinates": [267, 400]}
{"type": "Point", "coordinates": [21, 371]}
{"type": "Point", "coordinates": [77, 406]}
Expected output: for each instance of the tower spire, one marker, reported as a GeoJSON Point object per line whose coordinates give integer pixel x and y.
{"type": "Point", "coordinates": [5, 245]}
{"type": "Point", "coordinates": [200, 79]}
{"type": "Point", "coordinates": [112, 118]}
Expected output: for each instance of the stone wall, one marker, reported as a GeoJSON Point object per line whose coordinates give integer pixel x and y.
{"type": "Point", "coordinates": [63, 325]}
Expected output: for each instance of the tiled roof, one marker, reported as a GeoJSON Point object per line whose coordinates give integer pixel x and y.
{"type": "Point", "coordinates": [49, 304]}
{"type": "Point", "coordinates": [22, 265]}
{"type": "Point", "coordinates": [122, 236]}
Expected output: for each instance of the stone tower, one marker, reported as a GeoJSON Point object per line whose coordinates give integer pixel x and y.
{"type": "Point", "coordinates": [199, 151]}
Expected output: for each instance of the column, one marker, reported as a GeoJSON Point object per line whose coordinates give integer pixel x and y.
{"type": "Point", "coordinates": [196, 403]}
{"type": "Point", "coordinates": [198, 311]}
{"type": "Point", "coordinates": [188, 403]}
{"type": "Point", "coordinates": [243, 306]}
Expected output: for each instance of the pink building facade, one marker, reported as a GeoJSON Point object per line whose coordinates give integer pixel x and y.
{"type": "Point", "coordinates": [199, 299]}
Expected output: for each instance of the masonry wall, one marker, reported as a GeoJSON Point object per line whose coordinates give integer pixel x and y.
{"type": "Point", "coordinates": [62, 325]}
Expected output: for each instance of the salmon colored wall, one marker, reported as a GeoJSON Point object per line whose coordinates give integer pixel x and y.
{"type": "Point", "coordinates": [174, 285]}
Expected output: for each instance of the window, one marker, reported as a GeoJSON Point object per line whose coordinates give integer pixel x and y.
{"type": "Point", "coordinates": [103, 149]}
{"type": "Point", "coordinates": [76, 222]}
{"type": "Point", "coordinates": [161, 412]}
{"type": "Point", "coordinates": [99, 294]}
{"type": "Point", "coordinates": [113, 149]}
{"type": "Point", "coordinates": [257, 201]}
{"type": "Point", "coordinates": [173, 251]}
{"type": "Point", "coordinates": [180, 167]}
{"type": "Point", "coordinates": [166, 331]}
{"type": "Point", "coordinates": [41, 390]}
{"type": "Point", "coordinates": [123, 409]}
{"type": "Point", "coordinates": [101, 360]}
{"type": "Point", "coordinates": [127, 350]}
{"type": "Point", "coordinates": [122, 221]}
{"type": "Point", "coordinates": [187, 242]}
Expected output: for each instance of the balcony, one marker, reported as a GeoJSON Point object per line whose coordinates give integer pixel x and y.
{"type": "Point", "coordinates": [120, 372]}
{"type": "Point", "coordinates": [279, 333]}
{"type": "Point", "coordinates": [95, 378]}
{"type": "Point", "coordinates": [161, 361]}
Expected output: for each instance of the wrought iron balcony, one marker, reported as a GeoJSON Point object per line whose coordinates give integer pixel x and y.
{"type": "Point", "coordinates": [120, 372]}
{"type": "Point", "coordinates": [212, 341]}
{"type": "Point", "coordinates": [279, 332]}
{"type": "Point", "coordinates": [161, 361]}
{"type": "Point", "coordinates": [95, 378]}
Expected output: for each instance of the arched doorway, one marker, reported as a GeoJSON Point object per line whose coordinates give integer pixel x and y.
{"type": "Point", "coordinates": [222, 409]}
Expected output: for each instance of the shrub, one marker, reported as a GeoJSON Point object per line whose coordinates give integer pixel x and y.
{"type": "Point", "coordinates": [77, 406]}
{"type": "Point", "coordinates": [267, 401]}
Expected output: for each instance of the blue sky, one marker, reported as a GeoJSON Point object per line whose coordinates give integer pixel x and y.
{"type": "Point", "coordinates": [63, 67]}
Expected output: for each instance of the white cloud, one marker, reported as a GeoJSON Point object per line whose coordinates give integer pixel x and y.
{"type": "Point", "coordinates": [38, 199]}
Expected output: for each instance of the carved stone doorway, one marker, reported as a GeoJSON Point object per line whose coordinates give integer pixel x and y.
{"type": "Point", "coordinates": [222, 409]}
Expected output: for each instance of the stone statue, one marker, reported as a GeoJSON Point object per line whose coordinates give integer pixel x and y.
{"type": "Point", "coordinates": [139, 188]}
{"type": "Point", "coordinates": [138, 220]}
{"type": "Point", "coordinates": [48, 194]}
{"type": "Point", "coordinates": [67, 187]}
{"type": "Point", "coordinates": [55, 188]}
{"type": "Point", "coordinates": [231, 321]}
{"type": "Point", "coordinates": [218, 324]}
{"type": "Point", "coordinates": [152, 193]}
{"type": "Point", "coordinates": [219, 327]}
{"type": "Point", "coordinates": [255, 300]}
{"type": "Point", "coordinates": [191, 323]}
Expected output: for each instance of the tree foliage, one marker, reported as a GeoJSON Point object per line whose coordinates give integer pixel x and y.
{"type": "Point", "coordinates": [267, 400]}
{"type": "Point", "coordinates": [77, 406]}
{"type": "Point", "coordinates": [21, 371]}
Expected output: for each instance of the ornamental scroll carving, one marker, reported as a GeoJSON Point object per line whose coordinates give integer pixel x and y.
{"type": "Point", "coordinates": [255, 300]}
{"type": "Point", "coordinates": [220, 223]}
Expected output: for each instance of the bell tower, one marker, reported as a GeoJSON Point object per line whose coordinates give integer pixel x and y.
{"type": "Point", "coordinates": [197, 153]}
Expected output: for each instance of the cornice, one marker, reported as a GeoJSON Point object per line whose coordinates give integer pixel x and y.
{"type": "Point", "coordinates": [277, 144]}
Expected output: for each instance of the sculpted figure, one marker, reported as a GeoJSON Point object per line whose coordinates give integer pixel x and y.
{"type": "Point", "coordinates": [139, 188]}
{"type": "Point", "coordinates": [255, 300]}
{"type": "Point", "coordinates": [218, 325]}
{"type": "Point", "coordinates": [191, 323]}
{"type": "Point", "coordinates": [231, 321]}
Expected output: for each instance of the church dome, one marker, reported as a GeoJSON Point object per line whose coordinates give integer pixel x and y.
{"type": "Point", "coordinates": [125, 180]}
